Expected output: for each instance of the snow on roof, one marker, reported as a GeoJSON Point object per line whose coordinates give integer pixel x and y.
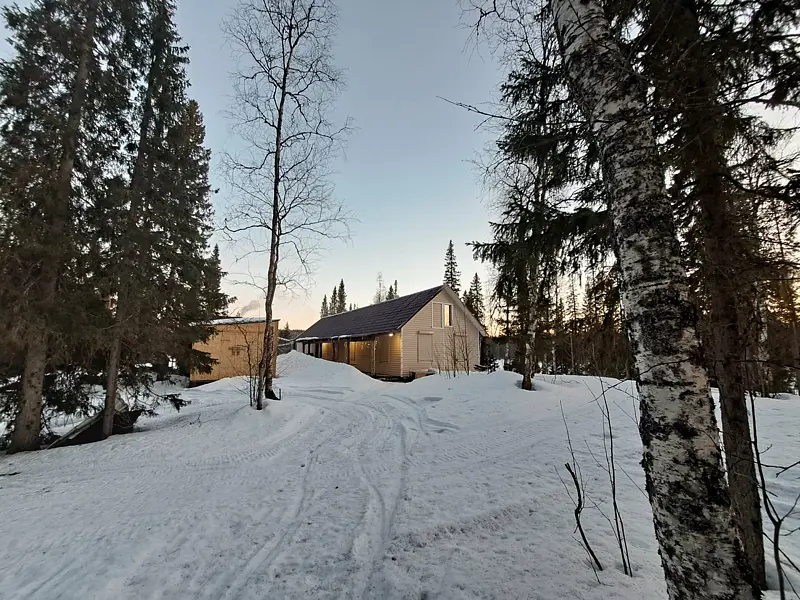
{"type": "Point", "coordinates": [240, 320]}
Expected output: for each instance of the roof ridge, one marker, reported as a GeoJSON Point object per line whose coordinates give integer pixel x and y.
{"type": "Point", "coordinates": [350, 312]}
{"type": "Point", "coordinates": [373, 319]}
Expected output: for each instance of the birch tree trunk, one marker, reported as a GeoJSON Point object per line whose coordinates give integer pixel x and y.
{"type": "Point", "coordinates": [28, 421]}
{"type": "Point", "coordinates": [524, 313]}
{"type": "Point", "coordinates": [267, 353]}
{"type": "Point", "coordinates": [700, 553]}
{"type": "Point", "coordinates": [532, 322]}
{"type": "Point", "coordinates": [284, 87]}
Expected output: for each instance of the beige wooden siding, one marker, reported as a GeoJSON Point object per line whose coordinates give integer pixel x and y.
{"type": "Point", "coordinates": [341, 351]}
{"type": "Point", "coordinates": [424, 347]}
{"type": "Point", "coordinates": [457, 346]}
{"type": "Point", "coordinates": [237, 350]}
{"type": "Point", "coordinates": [436, 314]}
{"type": "Point", "coordinates": [388, 353]}
{"type": "Point", "coordinates": [361, 356]}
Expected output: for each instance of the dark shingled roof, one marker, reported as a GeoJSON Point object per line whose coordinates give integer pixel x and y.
{"type": "Point", "coordinates": [371, 320]}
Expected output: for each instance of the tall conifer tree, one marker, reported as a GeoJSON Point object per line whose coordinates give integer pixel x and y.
{"type": "Point", "coordinates": [158, 220]}
{"type": "Point", "coordinates": [63, 93]}
{"type": "Point", "coordinates": [452, 276]}
{"type": "Point", "coordinates": [341, 298]}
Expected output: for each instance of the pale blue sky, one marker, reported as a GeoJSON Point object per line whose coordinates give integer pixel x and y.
{"type": "Point", "coordinates": [407, 176]}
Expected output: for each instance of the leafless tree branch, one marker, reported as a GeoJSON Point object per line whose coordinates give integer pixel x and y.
{"type": "Point", "coordinates": [284, 87]}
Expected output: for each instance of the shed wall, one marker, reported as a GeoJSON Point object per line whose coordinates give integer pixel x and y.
{"type": "Point", "coordinates": [237, 350]}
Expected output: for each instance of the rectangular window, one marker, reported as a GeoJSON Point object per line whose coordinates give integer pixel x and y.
{"type": "Point", "coordinates": [447, 315]}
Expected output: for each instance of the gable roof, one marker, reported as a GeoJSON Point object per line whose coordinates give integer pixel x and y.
{"type": "Point", "coordinates": [384, 317]}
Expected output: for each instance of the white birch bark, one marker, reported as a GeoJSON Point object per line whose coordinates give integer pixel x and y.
{"type": "Point", "coordinates": [530, 347]}
{"type": "Point", "coordinates": [700, 553]}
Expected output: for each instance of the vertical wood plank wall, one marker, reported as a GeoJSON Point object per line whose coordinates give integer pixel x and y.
{"type": "Point", "coordinates": [229, 346]}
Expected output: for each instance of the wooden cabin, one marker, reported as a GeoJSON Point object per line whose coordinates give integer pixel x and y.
{"type": "Point", "coordinates": [409, 336]}
{"type": "Point", "coordinates": [236, 346]}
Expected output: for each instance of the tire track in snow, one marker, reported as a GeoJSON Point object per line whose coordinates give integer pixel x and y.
{"type": "Point", "coordinates": [362, 442]}
{"type": "Point", "coordinates": [66, 570]}
{"type": "Point", "coordinates": [377, 446]}
{"type": "Point", "coordinates": [385, 493]}
{"type": "Point", "coordinates": [287, 437]}
{"type": "Point", "coordinates": [261, 560]}
{"type": "Point", "coordinates": [307, 502]}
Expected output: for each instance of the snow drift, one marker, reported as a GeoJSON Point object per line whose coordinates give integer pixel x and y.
{"type": "Point", "coordinates": [349, 487]}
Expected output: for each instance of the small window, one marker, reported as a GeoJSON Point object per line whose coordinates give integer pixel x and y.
{"type": "Point", "coordinates": [447, 315]}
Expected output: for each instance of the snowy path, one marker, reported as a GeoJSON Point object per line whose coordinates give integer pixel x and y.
{"type": "Point", "coordinates": [348, 488]}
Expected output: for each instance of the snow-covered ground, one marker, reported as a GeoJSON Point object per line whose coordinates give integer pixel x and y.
{"type": "Point", "coordinates": [349, 488]}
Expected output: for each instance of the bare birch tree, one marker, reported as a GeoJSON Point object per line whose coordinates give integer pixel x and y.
{"type": "Point", "coordinates": [700, 552]}
{"type": "Point", "coordinates": [284, 87]}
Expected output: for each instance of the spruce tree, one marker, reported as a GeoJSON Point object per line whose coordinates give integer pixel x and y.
{"type": "Point", "coordinates": [341, 298]}
{"type": "Point", "coordinates": [334, 304]}
{"type": "Point", "coordinates": [123, 219]}
{"type": "Point", "coordinates": [191, 297]}
{"type": "Point", "coordinates": [324, 311]}
{"type": "Point", "coordinates": [63, 92]}
{"type": "Point", "coordinates": [475, 297]}
{"type": "Point", "coordinates": [157, 221]}
{"type": "Point", "coordinates": [390, 295]}
{"type": "Point", "coordinates": [452, 276]}
{"type": "Point", "coordinates": [552, 204]}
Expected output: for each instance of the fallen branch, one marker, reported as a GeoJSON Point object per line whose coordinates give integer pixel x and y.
{"type": "Point", "coordinates": [578, 510]}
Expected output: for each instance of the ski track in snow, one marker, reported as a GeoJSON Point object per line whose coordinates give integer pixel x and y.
{"type": "Point", "coordinates": [348, 488]}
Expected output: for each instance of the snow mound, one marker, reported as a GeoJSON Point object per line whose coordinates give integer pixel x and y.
{"type": "Point", "coordinates": [294, 370]}
{"type": "Point", "coordinates": [297, 369]}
